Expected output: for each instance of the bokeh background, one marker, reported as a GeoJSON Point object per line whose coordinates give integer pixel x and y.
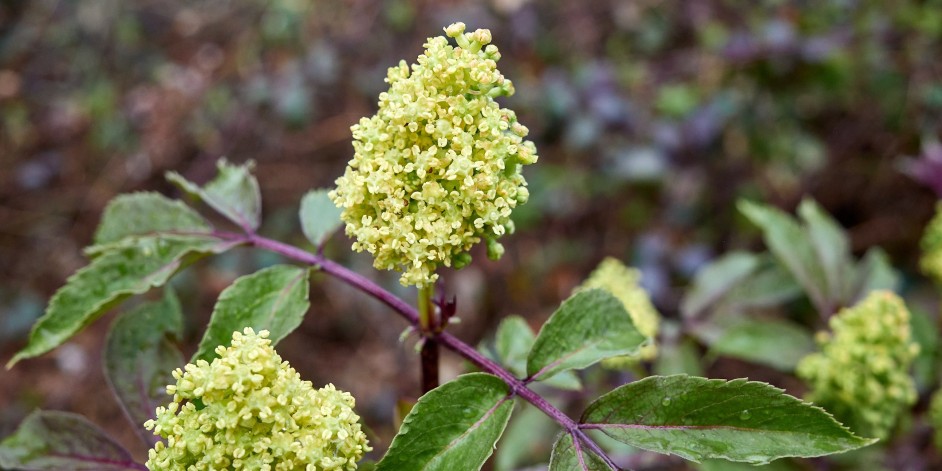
{"type": "Point", "coordinates": [651, 118]}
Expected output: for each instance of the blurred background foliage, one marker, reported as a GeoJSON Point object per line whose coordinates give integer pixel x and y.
{"type": "Point", "coordinates": [652, 119]}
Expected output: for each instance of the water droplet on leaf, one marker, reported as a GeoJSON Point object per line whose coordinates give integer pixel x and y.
{"type": "Point", "coordinates": [666, 402]}
{"type": "Point", "coordinates": [745, 415]}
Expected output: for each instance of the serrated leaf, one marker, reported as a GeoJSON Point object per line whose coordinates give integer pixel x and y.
{"type": "Point", "coordinates": [320, 217]}
{"type": "Point", "coordinates": [453, 426]}
{"type": "Point", "coordinates": [793, 247]}
{"type": "Point", "coordinates": [716, 279]}
{"type": "Point", "coordinates": [111, 278]}
{"type": "Point", "coordinates": [513, 341]}
{"type": "Point", "coordinates": [588, 327]}
{"type": "Point", "coordinates": [274, 299]}
{"type": "Point", "coordinates": [146, 213]}
{"type": "Point", "coordinates": [234, 193]}
{"type": "Point", "coordinates": [831, 246]}
{"type": "Point", "coordinates": [776, 343]}
{"type": "Point", "coordinates": [48, 440]}
{"type": "Point", "coordinates": [699, 418]}
{"type": "Point", "coordinates": [139, 358]}
{"type": "Point", "coordinates": [569, 455]}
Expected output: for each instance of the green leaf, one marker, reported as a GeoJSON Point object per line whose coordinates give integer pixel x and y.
{"type": "Point", "coordinates": [716, 279]}
{"type": "Point", "coordinates": [526, 439]}
{"type": "Point", "coordinates": [699, 418]}
{"type": "Point", "coordinates": [319, 217]}
{"type": "Point", "coordinates": [144, 214]}
{"type": "Point", "coordinates": [109, 279]}
{"type": "Point", "coordinates": [274, 299]}
{"type": "Point", "coordinates": [48, 440]}
{"type": "Point", "coordinates": [140, 359]}
{"type": "Point", "coordinates": [589, 326]}
{"type": "Point", "coordinates": [831, 246]}
{"type": "Point", "coordinates": [679, 357]}
{"type": "Point", "coordinates": [769, 285]}
{"type": "Point", "coordinates": [874, 272]}
{"type": "Point", "coordinates": [453, 426]}
{"type": "Point", "coordinates": [233, 193]}
{"type": "Point", "coordinates": [792, 246]}
{"type": "Point", "coordinates": [513, 342]}
{"type": "Point", "coordinates": [776, 343]}
{"type": "Point", "coordinates": [569, 454]}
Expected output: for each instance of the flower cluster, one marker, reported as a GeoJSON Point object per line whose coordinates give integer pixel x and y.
{"type": "Point", "coordinates": [614, 277]}
{"type": "Point", "coordinates": [862, 373]}
{"type": "Point", "coordinates": [437, 168]}
{"type": "Point", "coordinates": [249, 410]}
{"type": "Point", "coordinates": [931, 245]}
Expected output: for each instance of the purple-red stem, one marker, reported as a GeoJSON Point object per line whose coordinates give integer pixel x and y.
{"type": "Point", "coordinates": [411, 315]}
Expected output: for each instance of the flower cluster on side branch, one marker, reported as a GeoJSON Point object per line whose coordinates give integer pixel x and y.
{"type": "Point", "coordinates": [250, 410]}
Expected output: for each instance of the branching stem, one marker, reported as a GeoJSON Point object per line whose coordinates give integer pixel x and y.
{"type": "Point", "coordinates": [411, 315]}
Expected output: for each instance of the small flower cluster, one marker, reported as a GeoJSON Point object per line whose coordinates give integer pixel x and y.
{"type": "Point", "coordinates": [862, 373]}
{"type": "Point", "coordinates": [614, 277]}
{"type": "Point", "coordinates": [437, 169]}
{"type": "Point", "coordinates": [931, 245]}
{"type": "Point", "coordinates": [249, 410]}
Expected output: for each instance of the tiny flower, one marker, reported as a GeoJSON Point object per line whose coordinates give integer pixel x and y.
{"type": "Point", "coordinates": [248, 409]}
{"type": "Point", "coordinates": [437, 168]}
{"type": "Point", "coordinates": [861, 374]}
{"type": "Point", "coordinates": [623, 283]}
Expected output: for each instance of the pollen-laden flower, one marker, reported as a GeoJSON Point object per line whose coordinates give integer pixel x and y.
{"type": "Point", "coordinates": [437, 168]}
{"type": "Point", "coordinates": [623, 282]}
{"type": "Point", "coordinates": [931, 244]}
{"type": "Point", "coordinates": [861, 374]}
{"type": "Point", "coordinates": [250, 410]}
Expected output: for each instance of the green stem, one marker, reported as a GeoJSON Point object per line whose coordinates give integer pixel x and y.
{"type": "Point", "coordinates": [428, 327]}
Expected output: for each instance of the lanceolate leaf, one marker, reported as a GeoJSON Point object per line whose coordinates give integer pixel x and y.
{"type": "Point", "coordinates": [831, 246]}
{"type": "Point", "coordinates": [699, 418]}
{"type": "Point", "coordinates": [454, 426]}
{"type": "Point", "coordinates": [590, 326]}
{"type": "Point", "coordinates": [139, 358]}
{"type": "Point", "coordinates": [146, 213]}
{"type": "Point", "coordinates": [776, 343]}
{"type": "Point", "coordinates": [48, 440]}
{"type": "Point", "coordinates": [273, 299]}
{"type": "Point", "coordinates": [569, 455]}
{"type": "Point", "coordinates": [513, 342]}
{"type": "Point", "coordinates": [874, 272]}
{"type": "Point", "coordinates": [319, 216]}
{"type": "Point", "coordinates": [233, 193]}
{"type": "Point", "coordinates": [111, 278]}
{"type": "Point", "coordinates": [788, 241]}
{"type": "Point", "coordinates": [716, 279]}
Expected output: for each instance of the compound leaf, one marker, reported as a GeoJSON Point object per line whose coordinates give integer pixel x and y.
{"type": "Point", "coordinates": [139, 358]}
{"type": "Point", "coordinates": [49, 440]}
{"type": "Point", "coordinates": [453, 426]}
{"type": "Point", "coordinates": [234, 193]}
{"type": "Point", "coordinates": [571, 455]}
{"type": "Point", "coordinates": [273, 299]}
{"type": "Point", "coordinates": [116, 274]}
{"type": "Point", "coordinates": [699, 418]}
{"type": "Point", "coordinates": [513, 342]}
{"type": "Point", "coordinates": [588, 327]}
{"type": "Point", "coordinates": [146, 213]}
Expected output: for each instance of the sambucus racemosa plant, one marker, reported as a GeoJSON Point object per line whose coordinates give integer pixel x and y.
{"type": "Point", "coordinates": [435, 171]}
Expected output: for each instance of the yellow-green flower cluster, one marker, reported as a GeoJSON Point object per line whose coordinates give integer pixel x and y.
{"type": "Point", "coordinates": [249, 410]}
{"type": "Point", "coordinates": [931, 245]}
{"type": "Point", "coordinates": [861, 374]}
{"type": "Point", "coordinates": [437, 168]}
{"type": "Point", "coordinates": [623, 282]}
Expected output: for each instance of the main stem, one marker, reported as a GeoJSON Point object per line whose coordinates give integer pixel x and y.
{"type": "Point", "coordinates": [410, 314]}
{"type": "Point", "coordinates": [428, 327]}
